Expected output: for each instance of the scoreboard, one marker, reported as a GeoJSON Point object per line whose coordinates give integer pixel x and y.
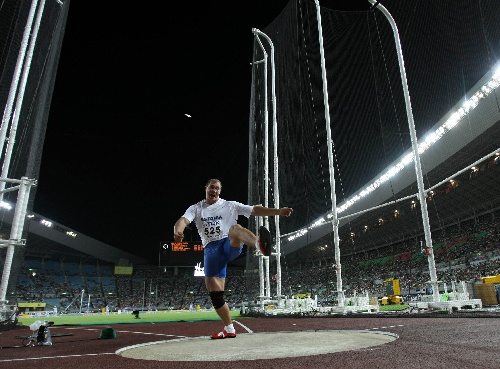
{"type": "Point", "coordinates": [186, 253]}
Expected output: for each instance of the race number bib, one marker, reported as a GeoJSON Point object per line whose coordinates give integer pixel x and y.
{"type": "Point", "coordinates": [212, 232]}
{"type": "Point", "coordinates": [212, 227]}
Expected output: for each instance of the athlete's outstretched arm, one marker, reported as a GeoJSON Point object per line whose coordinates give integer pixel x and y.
{"type": "Point", "coordinates": [179, 227]}
{"type": "Point", "coordinates": [262, 211]}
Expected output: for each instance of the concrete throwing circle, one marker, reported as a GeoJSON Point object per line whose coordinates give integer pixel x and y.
{"type": "Point", "coordinates": [248, 346]}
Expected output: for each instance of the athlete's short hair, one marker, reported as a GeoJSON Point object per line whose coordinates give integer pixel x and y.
{"type": "Point", "coordinates": [213, 180]}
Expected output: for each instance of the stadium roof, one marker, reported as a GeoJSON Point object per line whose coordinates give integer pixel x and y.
{"type": "Point", "coordinates": [46, 238]}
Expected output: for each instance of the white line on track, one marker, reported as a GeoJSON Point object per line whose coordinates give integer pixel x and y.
{"type": "Point", "coordinates": [391, 326]}
{"type": "Point", "coordinates": [243, 326]}
{"type": "Point", "coordinates": [56, 357]}
{"type": "Point", "coordinates": [151, 334]}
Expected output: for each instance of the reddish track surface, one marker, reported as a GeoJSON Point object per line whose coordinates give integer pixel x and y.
{"type": "Point", "coordinates": [437, 342]}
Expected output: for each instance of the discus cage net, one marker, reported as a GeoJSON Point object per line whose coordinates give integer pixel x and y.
{"type": "Point", "coordinates": [451, 53]}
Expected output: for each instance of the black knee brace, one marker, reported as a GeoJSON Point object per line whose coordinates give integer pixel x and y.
{"type": "Point", "coordinates": [217, 298]}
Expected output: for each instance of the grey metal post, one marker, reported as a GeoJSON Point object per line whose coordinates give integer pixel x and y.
{"type": "Point", "coordinates": [335, 221]}
{"type": "Point", "coordinates": [15, 232]}
{"type": "Point", "coordinates": [20, 96]}
{"type": "Point", "coordinates": [275, 159]}
{"type": "Point", "coordinates": [81, 301]}
{"type": "Point", "coordinates": [422, 195]}
{"type": "Point", "coordinates": [17, 73]}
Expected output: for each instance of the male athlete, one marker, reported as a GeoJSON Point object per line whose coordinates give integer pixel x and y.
{"type": "Point", "coordinates": [223, 240]}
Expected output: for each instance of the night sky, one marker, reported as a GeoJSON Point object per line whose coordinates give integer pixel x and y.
{"type": "Point", "coordinates": [121, 160]}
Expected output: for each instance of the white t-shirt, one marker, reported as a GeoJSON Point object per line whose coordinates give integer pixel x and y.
{"type": "Point", "coordinates": [213, 221]}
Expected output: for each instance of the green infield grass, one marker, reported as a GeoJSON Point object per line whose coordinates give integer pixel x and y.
{"type": "Point", "coordinates": [144, 317]}
{"type": "Point", "coordinates": [113, 318]}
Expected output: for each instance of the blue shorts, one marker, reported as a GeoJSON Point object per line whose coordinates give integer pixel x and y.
{"type": "Point", "coordinates": [216, 256]}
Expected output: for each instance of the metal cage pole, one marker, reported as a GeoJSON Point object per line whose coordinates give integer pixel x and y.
{"type": "Point", "coordinates": [275, 162]}
{"type": "Point", "coordinates": [22, 87]}
{"type": "Point", "coordinates": [335, 221]}
{"type": "Point", "coordinates": [15, 232]}
{"type": "Point", "coordinates": [422, 195]}
{"type": "Point", "coordinates": [17, 73]}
